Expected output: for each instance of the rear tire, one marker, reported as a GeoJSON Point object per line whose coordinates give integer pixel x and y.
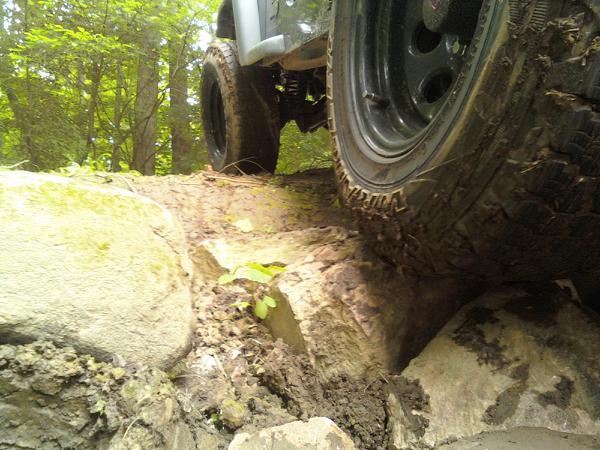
{"type": "Point", "coordinates": [504, 182]}
{"type": "Point", "coordinates": [240, 113]}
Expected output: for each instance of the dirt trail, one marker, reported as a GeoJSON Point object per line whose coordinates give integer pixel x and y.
{"type": "Point", "coordinates": [259, 383]}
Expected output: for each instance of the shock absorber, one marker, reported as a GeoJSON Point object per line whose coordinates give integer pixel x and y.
{"type": "Point", "coordinates": [293, 88]}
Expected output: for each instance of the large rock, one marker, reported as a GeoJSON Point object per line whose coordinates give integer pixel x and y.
{"type": "Point", "coordinates": [214, 257]}
{"type": "Point", "coordinates": [318, 433]}
{"type": "Point", "coordinates": [105, 271]}
{"type": "Point", "coordinates": [525, 438]}
{"type": "Point", "coordinates": [511, 359]}
{"type": "Point", "coordinates": [352, 314]}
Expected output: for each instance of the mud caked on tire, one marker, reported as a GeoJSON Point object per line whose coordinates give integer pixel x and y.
{"type": "Point", "coordinates": [240, 113]}
{"type": "Point", "coordinates": [472, 149]}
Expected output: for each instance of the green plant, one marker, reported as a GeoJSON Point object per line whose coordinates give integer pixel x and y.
{"type": "Point", "coordinates": [258, 277]}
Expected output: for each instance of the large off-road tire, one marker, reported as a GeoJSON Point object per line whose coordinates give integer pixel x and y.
{"type": "Point", "coordinates": [497, 174]}
{"type": "Point", "coordinates": [240, 113]}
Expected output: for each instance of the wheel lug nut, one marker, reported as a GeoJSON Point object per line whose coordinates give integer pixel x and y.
{"type": "Point", "coordinates": [377, 99]}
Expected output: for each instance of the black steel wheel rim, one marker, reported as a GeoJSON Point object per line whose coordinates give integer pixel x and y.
{"type": "Point", "coordinates": [403, 74]}
{"type": "Point", "coordinates": [217, 119]}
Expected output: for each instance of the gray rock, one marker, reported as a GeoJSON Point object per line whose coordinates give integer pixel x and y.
{"type": "Point", "coordinates": [352, 314]}
{"type": "Point", "coordinates": [103, 270]}
{"type": "Point", "coordinates": [234, 414]}
{"type": "Point", "coordinates": [511, 359]}
{"type": "Point", "coordinates": [318, 433]}
{"type": "Point", "coordinates": [526, 438]}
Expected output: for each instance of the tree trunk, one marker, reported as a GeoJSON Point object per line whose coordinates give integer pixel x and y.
{"type": "Point", "coordinates": [181, 130]}
{"type": "Point", "coordinates": [24, 113]}
{"type": "Point", "coordinates": [23, 122]}
{"type": "Point", "coordinates": [146, 103]}
{"type": "Point", "coordinates": [96, 79]}
{"type": "Point", "coordinates": [115, 164]}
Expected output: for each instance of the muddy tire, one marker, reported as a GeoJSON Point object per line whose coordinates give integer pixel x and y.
{"type": "Point", "coordinates": [502, 182]}
{"type": "Point", "coordinates": [240, 113]}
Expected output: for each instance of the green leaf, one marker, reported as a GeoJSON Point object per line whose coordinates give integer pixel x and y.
{"type": "Point", "coordinates": [227, 278]}
{"type": "Point", "coordinates": [271, 271]}
{"type": "Point", "coordinates": [255, 275]}
{"type": "Point", "coordinates": [270, 301]}
{"type": "Point", "coordinates": [241, 305]}
{"type": "Point", "coordinates": [275, 270]}
{"type": "Point", "coordinates": [261, 310]}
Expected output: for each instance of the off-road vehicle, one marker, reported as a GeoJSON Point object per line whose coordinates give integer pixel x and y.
{"type": "Point", "coordinates": [466, 133]}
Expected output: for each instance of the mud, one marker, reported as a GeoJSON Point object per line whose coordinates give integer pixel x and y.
{"type": "Point", "coordinates": [561, 396]}
{"type": "Point", "coordinates": [471, 336]}
{"type": "Point", "coordinates": [508, 401]}
{"type": "Point", "coordinates": [541, 305]}
{"type": "Point", "coordinates": [357, 406]}
{"type": "Point", "coordinates": [506, 405]}
{"type": "Point", "coordinates": [413, 399]}
{"type": "Point", "coordinates": [260, 383]}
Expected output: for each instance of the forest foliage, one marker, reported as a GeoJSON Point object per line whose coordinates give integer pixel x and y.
{"type": "Point", "coordinates": [113, 85]}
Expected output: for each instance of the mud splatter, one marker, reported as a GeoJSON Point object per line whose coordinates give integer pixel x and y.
{"type": "Point", "coordinates": [560, 396]}
{"type": "Point", "coordinates": [413, 398]}
{"type": "Point", "coordinates": [471, 336]}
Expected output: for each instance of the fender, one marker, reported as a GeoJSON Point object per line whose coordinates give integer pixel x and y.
{"type": "Point", "coordinates": [269, 30]}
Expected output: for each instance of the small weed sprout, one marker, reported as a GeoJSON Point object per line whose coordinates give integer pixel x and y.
{"type": "Point", "coordinates": [258, 276]}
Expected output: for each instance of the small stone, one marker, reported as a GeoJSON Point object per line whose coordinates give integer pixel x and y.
{"type": "Point", "coordinates": [7, 352]}
{"type": "Point", "coordinates": [233, 414]}
{"type": "Point", "coordinates": [221, 316]}
{"type": "Point", "coordinates": [205, 365]}
{"type": "Point", "coordinates": [118, 373]}
{"type": "Point", "coordinates": [70, 357]}
{"type": "Point", "coordinates": [319, 433]}
{"type": "Point", "coordinates": [47, 386]}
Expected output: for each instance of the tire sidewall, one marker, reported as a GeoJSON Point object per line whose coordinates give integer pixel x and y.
{"type": "Point", "coordinates": [213, 74]}
{"type": "Point", "coordinates": [251, 110]}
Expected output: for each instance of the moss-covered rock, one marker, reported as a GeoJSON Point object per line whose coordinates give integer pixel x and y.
{"type": "Point", "coordinates": [103, 270]}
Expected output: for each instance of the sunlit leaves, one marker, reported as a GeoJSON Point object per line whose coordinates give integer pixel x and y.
{"type": "Point", "coordinates": [259, 275]}
{"type": "Point", "coordinates": [252, 272]}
